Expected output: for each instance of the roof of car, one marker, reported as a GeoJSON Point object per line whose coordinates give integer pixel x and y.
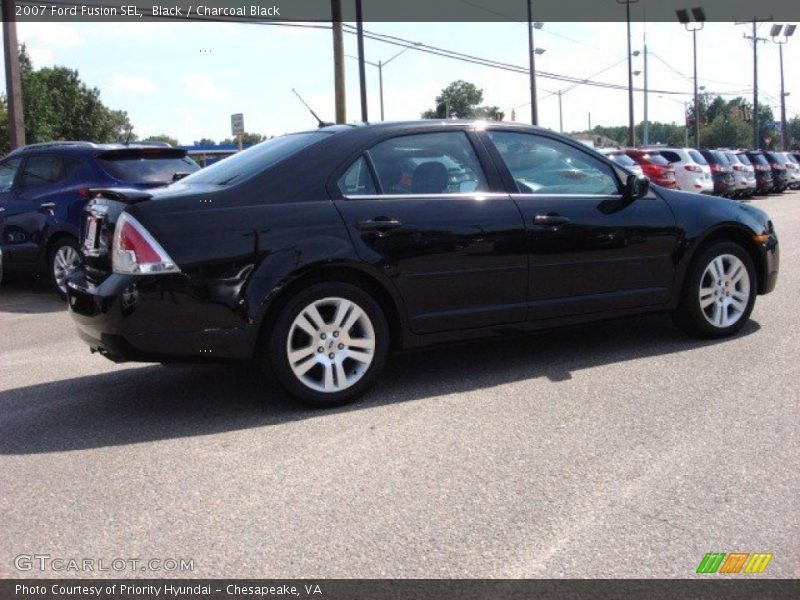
{"type": "Point", "coordinates": [83, 148]}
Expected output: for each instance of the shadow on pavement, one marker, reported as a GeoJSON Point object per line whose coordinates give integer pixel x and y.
{"type": "Point", "coordinates": [156, 403]}
{"type": "Point", "coordinates": [27, 295]}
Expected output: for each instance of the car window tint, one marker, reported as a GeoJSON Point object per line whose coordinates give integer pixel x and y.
{"type": "Point", "coordinates": [541, 165]}
{"type": "Point", "coordinates": [743, 159]}
{"type": "Point", "coordinates": [721, 158]}
{"type": "Point", "coordinates": [8, 170]}
{"type": "Point", "coordinates": [42, 170]}
{"type": "Point", "coordinates": [428, 163]}
{"type": "Point", "coordinates": [357, 180]}
{"type": "Point", "coordinates": [672, 157]}
{"type": "Point", "coordinates": [656, 159]}
{"type": "Point", "coordinates": [622, 159]}
{"type": "Point", "coordinates": [697, 157]}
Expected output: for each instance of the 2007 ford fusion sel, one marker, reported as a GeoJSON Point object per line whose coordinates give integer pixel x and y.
{"type": "Point", "coordinates": [320, 252]}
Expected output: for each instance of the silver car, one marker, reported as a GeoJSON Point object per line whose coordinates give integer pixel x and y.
{"type": "Point", "coordinates": [622, 159]}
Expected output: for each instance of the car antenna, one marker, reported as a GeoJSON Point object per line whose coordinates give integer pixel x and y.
{"type": "Point", "coordinates": [320, 122]}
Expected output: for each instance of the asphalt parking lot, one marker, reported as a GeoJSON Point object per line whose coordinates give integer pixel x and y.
{"type": "Point", "coordinates": [623, 449]}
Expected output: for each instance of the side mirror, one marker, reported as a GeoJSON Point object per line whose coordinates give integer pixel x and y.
{"type": "Point", "coordinates": [636, 187]}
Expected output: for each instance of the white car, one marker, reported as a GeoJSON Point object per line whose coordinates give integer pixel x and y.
{"type": "Point", "coordinates": [692, 172]}
{"type": "Point", "coordinates": [743, 173]}
{"type": "Point", "coordinates": [792, 170]}
{"type": "Point", "coordinates": [622, 159]}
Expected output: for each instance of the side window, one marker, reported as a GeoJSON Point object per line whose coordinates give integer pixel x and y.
{"type": "Point", "coordinates": [428, 163]}
{"type": "Point", "coordinates": [357, 180]}
{"type": "Point", "coordinates": [8, 171]}
{"type": "Point", "coordinates": [541, 165]}
{"type": "Point", "coordinates": [42, 170]}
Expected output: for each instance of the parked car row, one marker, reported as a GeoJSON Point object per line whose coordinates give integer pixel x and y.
{"type": "Point", "coordinates": [721, 172]}
{"type": "Point", "coordinates": [44, 189]}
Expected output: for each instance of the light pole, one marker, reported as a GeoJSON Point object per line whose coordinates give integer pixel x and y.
{"type": "Point", "coordinates": [16, 119]}
{"type": "Point", "coordinates": [694, 26]}
{"type": "Point", "coordinates": [532, 68]}
{"type": "Point", "coordinates": [780, 35]}
{"type": "Point", "coordinates": [646, 125]}
{"type": "Point", "coordinates": [631, 131]}
{"type": "Point", "coordinates": [379, 65]}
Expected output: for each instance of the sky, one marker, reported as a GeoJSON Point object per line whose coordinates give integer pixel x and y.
{"type": "Point", "coordinates": [186, 79]}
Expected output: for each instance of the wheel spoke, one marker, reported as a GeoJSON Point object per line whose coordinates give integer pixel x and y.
{"type": "Point", "coordinates": [304, 367]}
{"type": "Point", "coordinates": [740, 305]}
{"type": "Point", "coordinates": [364, 343]}
{"type": "Point", "coordinates": [341, 376]}
{"type": "Point", "coordinates": [313, 315]}
{"type": "Point", "coordinates": [354, 316]}
{"type": "Point", "coordinates": [303, 323]}
{"type": "Point", "coordinates": [328, 383]}
{"type": "Point", "coordinates": [706, 297]}
{"type": "Point", "coordinates": [298, 355]}
{"type": "Point", "coordinates": [360, 356]}
{"type": "Point", "coordinates": [341, 312]}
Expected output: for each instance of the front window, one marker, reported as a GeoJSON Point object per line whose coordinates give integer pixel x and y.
{"type": "Point", "coordinates": [540, 165]}
{"type": "Point", "coordinates": [428, 163]}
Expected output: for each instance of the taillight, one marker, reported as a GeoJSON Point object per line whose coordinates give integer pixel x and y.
{"type": "Point", "coordinates": [693, 168]}
{"type": "Point", "coordinates": [739, 168]}
{"type": "Point", "coordinates": [135, 251]}
{"type": "Point", "coordinates": [716, 168]}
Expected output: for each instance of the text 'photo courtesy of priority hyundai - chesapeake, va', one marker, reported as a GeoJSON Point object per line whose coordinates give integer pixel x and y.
{"type": "Point", "coordinates": [364, 299]}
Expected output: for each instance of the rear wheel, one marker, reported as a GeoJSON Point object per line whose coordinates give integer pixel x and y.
{"type": "Point", "coordinates": [719, 292]}
{"type": "Point", "coordinates": [64, 257]}
{"type": "Point", "coordinates": [329, 344]}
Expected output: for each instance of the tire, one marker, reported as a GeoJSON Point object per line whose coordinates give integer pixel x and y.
{"type": "Point", "coordinates": [65, 255]}
{"type": "Point", "coordinates": [347, 366]}
{"type": "Point", "coordinates": [727, 299]}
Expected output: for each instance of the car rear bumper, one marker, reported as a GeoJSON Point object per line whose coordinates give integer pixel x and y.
{"type": "Point", "coordinates": [153, 319]}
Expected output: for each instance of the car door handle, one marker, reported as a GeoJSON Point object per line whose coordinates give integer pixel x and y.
{"type": "Point", "coordinates": [47, 206]}
{"type": "Point", "coordinates": [378, 224]}
{"type": "Point", "coordinates": [551, 220]}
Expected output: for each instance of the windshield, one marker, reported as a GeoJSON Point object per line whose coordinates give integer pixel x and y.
{"type": "Point", "coordinates": [732, 159]}
{"type": "Point", "coordinates": [743, 159]}
{"type": "Point", "coordinates": [759, 159]}
{"type": "Point", "coordinates": [147, 166]}
{"type": "Point", "coordinates": [720, 158]}
{"type": "Point", "coordinates": [697, 157]}
{"type": "Point", "coordinates": [777, 157]}
{"type": "Point", "coordinates": [256, 159]}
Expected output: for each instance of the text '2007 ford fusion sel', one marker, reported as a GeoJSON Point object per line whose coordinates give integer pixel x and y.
{"type": "Point", "coordinates": [320, 252]}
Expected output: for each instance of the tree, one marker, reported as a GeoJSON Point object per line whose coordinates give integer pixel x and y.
{"type": "Point", "coordinates": [792, 133]}
{"type": "Point", "coordinates": [59, 106]}
{"type": "Point", "coordinates": [205, 142]}
{"type": "Point", "coordinates": [162, 137]}
{"type": "Point", "coordinates": [248, 139]}
{"type": "Point", "coordinates": [462, 99]}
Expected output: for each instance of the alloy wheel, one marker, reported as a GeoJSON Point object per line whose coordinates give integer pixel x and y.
{"type": "Point", "coordinates": [724, 291]}
{"type": "Point", "coordinates": [65, 259]}
{"type": "Point", "coordinates": [331, 344]}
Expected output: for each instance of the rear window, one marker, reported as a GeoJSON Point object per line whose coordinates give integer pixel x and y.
{"type": "Point", "coordinates": [147, 165]}
{"type": "Point", "coordinates": [720, 158]}
{"type": "Point", "coordinates": [777, 157]}
{"type": "Point", "coordinates": [256, 159]}
{"type": "Point", "coordinates": [657, 159]}
{"type": "Point", "coordinates": [671, 156]}
{"type": "Point", "coordinates": [743, 159]}
{"type": "Point", "coordinates": [758, 159]}
{"type": "Point", "coordinates": [732, 158]}
{"type": "Point", "coordinates": [697, 157]}
{"type": "Point", "coordinates": [623, 159]}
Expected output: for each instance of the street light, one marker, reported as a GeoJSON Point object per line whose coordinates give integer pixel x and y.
{"type": "Point", "coordinates": [780, 35]}
{"type": "Point", "coordinates": [379, 65]}
{"type": "Point", "coordinates": [685, 19]}
{"type": "Point", "coordinates": [631, 131]}
{"type": "Point", "coordinates": [532, 52]}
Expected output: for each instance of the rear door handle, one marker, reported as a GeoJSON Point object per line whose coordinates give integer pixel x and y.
{"type": "Point", "coordinates": [551, 220]}
{"type": "Point", "coordinates": [378, 224]}
{"type": "Point", "coordinates": [47, 206]}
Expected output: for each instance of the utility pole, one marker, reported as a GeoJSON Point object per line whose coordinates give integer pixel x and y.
{"type": "Point", "coordinates": [16, 118]}
{"type": "Point", "coordinates": [532, 68]}
{"type": "Point", "coordinates": [590, 122]}
{"type": "Point", "coordinates": [362, 69]}
{"type": "Point", "coordinates": [780, 36]}
{"type": "Point", "coordinates": [631, 130]}
{"type": "Point", "coordinates": [755, 39]}
{"type": "Point", "coordinates": [338, 61]}
{"type": "Point", "coordinates": [560, 114]}
{"type": "Point", "coordinates": [646, 126]}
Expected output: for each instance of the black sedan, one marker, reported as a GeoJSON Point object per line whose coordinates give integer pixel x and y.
{"type": "Point", "coordinates": [320, 252]}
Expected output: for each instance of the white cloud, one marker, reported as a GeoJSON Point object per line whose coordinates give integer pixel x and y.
{"type": "Point", "coordinates": [132, 84]}
{"type": "Point", "coordinates": [41, 57]}
{"type": "Point", "coordinates": [202, 86]}
{"type": "Point", "coordinates": [59, 35]}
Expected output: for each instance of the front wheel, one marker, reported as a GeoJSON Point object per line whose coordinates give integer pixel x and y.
{"type": "Point", "coordinates": [64, 256]}
{"type": "Point", "coordinates": [329, 344]}
{"type": "Point", "coordinates": [719, 292]}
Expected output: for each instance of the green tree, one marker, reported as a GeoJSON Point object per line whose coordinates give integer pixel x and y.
{"type": "Point", "coordinates": [792, 132]}
{"type": "Point", "coordinates": [462, 99]}
{"type": "Point", "coordinates": [205, 142]}
{"type": "Point", "coordinates": [59, 106]}
{"type": "Point", "coordinates": [162, 137]}
{"type": "Point", "coordinates": [248, 139]}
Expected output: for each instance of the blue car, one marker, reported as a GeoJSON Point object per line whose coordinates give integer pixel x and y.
{"type": "Point", "coordinates": [44, 188]}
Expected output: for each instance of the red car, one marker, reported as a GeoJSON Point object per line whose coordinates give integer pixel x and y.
{"type": "Point", "coordinates": [655, 166]}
